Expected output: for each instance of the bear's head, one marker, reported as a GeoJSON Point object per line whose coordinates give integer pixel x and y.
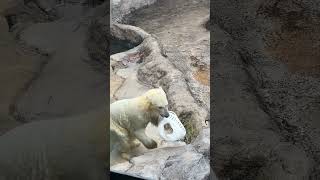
{"type": "Point", "coordinates": [158, 101]}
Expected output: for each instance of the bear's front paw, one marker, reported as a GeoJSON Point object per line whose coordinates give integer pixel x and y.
{"type": "Point", "coordinates": [134, 144]}
{"type": "Point", "coordinates": [126, 156]}
{"type": "Point", "coordinates": [151, 145]}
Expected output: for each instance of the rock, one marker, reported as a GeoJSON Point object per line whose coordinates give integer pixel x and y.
{"type": "Point", "coordinates": [115, 84]}
{"type": "Point", "coordinates": [121, 8]}
{"type": "Point", "coordinates": [135, 87]}
{"type": "Point", "coordinates": [182, 162]}
{"type": "Point", "coordinates": [189, 166]}
{"type": "Point", "coordinates": [202, 142]}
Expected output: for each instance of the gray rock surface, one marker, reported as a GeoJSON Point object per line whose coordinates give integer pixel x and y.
{"type": "Point", "coordinates": [182, 162]}
{"type": "Point", "coordinates": [121, 8]}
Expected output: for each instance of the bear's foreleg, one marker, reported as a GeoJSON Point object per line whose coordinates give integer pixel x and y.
{"type": "Point", "coordinates": [146, 141]}
{"type": "Point", "coordinates": [134, 143]}
{"type": "Point", "coordinates": [127, 143]}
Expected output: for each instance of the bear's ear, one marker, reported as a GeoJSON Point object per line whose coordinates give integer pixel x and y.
{"type": "Point", "coordinates": [149, 100]}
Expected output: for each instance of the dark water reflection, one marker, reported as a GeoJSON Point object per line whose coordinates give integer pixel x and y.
{"type": "Point", "coordinates": [118, 46]}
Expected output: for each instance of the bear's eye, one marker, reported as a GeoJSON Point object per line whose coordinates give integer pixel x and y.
{"type": "Point", "coordinates": [160, 107]}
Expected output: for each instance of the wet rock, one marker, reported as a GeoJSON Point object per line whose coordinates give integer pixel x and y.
{"type": "Point", "coordinates": [189, 165]}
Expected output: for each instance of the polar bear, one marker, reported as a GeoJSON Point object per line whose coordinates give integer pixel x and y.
{"type": "Point", "coordinates": [130, 117]}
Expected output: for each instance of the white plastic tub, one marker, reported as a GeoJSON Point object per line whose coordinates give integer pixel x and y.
{"type": "Point", "coordinates": [179, 131]}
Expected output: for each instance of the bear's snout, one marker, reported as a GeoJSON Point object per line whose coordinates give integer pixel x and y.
{"type": "Point", "coordinates": [165, 114]}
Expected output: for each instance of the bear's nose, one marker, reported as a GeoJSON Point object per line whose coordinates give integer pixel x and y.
{"type": "Point", "coordinates": [166, 115]}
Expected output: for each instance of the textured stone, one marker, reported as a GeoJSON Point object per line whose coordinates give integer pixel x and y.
{"type": "Point", "coordinates": [120, 8]}
{"type": "Point", "coordinates": [181, 162]}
